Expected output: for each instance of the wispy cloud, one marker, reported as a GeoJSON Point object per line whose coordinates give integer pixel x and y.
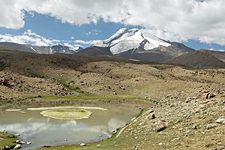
{"type": "Point", "coordinates": [31, 38]}
{"type": "Point", "coordinates": [28, 37]}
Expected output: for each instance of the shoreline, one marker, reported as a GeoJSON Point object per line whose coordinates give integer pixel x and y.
{"type": "Point", "coordinates": [90, 104]}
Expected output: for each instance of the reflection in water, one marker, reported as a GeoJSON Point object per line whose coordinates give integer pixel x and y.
{"type": "Point", "coordinates": [64, 133]}
{"type": "Point", "coordinates": [29, 129]}
{"type": "Point", "coordinates": [34, 128]}
{"type": "Point", "coordinates": [114, 124]}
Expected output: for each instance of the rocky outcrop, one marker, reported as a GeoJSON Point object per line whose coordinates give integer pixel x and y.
{"type": "Point", "coordinates": [161, 125]}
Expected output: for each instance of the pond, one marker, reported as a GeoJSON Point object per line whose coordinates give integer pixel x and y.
{"type": "Point", "coordinates": [48, 126]}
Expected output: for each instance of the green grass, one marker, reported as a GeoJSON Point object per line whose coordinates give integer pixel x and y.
{"type": "Point", "coordinates": [3, 65]}
{"type": "Point", "coordinates": [109, 144]}
{"type": "Point", "coordinates": [35, 74]}
{"type": "Point", "coordinates": [7, 140]}
{"type": "Point", "coordinates": [88, 97]}
{"type": "Point", "coordinates": [70, 85]}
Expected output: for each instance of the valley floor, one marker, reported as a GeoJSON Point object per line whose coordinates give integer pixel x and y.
{"type": "Point", "coordinates": [186, 107]}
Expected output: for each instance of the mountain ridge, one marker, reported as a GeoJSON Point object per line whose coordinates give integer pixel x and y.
{"type": "Point", "coordinates": [134, 44]}
{"type": "Point", "coordinates": [39, 49]}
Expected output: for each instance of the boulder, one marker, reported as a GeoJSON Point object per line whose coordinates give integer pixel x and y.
{"type": "Point", "coordinates": [210, 126]}
{"type": "Point", "coordinates": [206, 95]}
{"type": "Point", "coordinates": [210, 95]}
{"type": "Point", "coordinates": [18, 146]}
{"type": "Point", "coordinates": [46, 146]}
{"type": "Point", "coordinates": [151, 116]}
{"type": "Point", "coordinates": [82, 144]}
{"type": "Point", "coordinates": [161, 125]}
{"type": "Point", "coordinates": [220, 121]}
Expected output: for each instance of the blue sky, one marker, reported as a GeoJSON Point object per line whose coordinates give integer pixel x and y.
{"type": "Point", "coordinates": [87, 20]}
{"type": "Point", "coordinates": [52, 28]}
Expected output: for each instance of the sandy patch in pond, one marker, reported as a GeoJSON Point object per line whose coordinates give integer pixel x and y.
{"type": "Point", "coordinates": [66, 107]}
{"type": "Point", "coordinates": [15, 110]}
{"type": "Point", "coordinates": [67, 114]}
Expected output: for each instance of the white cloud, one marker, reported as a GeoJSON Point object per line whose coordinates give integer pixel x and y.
{"type": "Point", "coordinates": [11, 15]}
{"type": "Point", "coordinates": [28, 37]}
{"type": "Point", "coordinates": [171, 19]}
{"type": "Point", "coordinates": [220, 50]}
{"type": "Point", "coordinates": [31, 38]}
{"type": "Point", "coordinates": [82, 42]}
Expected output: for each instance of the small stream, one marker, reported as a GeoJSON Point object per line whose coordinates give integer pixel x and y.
{"type": "Point", "coordinates": [39, 130]}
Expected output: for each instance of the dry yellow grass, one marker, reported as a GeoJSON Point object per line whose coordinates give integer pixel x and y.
{"type": "Point", "coordinates": [67, 114]}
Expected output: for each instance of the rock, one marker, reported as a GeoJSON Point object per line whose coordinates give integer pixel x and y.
{"type": "Point", "coordinates": [18, 146]}
{"type": "Point", "coordinates": [20, 142]}
{"type": "Point", "coordinates": [207, 95]}
{"type": "Point", "coordinates": [210, 126]}
{"type": "Point", "coordinates": [7, 148]}
{"type": "Point", "coordinates": [210, 95]}
{"type": "Point", "coordinates": [114, 131]}
{"type": "Point", "coordinates": [204, 95]}
{"type": "Point", "coordinates": [205, 91]}
{"type": "Point", "coordinates": [222, 147]}
{"type": "Point", "coordinates": [133, 119]}
{"type": "Point", "coordinates": [189, 99]}
{"type": "Point", "coordinates": [172, 105]}
{"type": "Point", "coordinates": [208, 145]}
{"type": "Point", "coordinates": [194, 127]}
{"type": "Point", "coordinates": [160, 144]}
{"type": "Point", "coordinates": [46, 146]}
{"type": "Point", "coordinates": [151, 115]}
{"type": "Point", "coordinates": [220, 121]}
{"type": "Point", "coordinates": [161, 125]}
{"type": "Point", "coordinates": [135, 147]}
{"type": "Point", "coordinates": [28, 143]}
{"type": "Point", "coordinates": [82, 144]}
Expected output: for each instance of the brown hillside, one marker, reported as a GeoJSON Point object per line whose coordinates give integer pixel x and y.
{"type": "Point", "coordinates": [201, 59]}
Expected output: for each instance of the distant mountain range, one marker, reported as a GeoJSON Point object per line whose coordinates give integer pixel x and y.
{"type": "Point", "coordinates": [135, 44]}
{"type": "Point", "coordinates": [39, 49]}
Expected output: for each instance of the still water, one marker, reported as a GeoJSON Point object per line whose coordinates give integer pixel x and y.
{"type": "Point", "coordinates": [39, 130]}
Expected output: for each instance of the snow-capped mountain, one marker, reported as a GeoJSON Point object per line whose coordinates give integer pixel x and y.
{"type": "Point", "coordinates": [55, 49]}
{"type": "Point", "coordinates": [128, 39]}
{"type": "Point", "coordinates": [140, 44]}
{"type": "Point", "coordinates": [40, 49]}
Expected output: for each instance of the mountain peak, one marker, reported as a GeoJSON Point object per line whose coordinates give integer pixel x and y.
{"type": "Point", "coordinates": [127, 39]}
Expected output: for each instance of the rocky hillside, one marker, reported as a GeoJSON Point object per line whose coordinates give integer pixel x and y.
{"type": "Point", "coordinates": [186, 107]}
{"type": "Point", "coordinates": [201, 59]}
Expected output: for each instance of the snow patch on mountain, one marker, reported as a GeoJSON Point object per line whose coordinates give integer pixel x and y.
{"type": "Point", "coordinates": [127, 39]}
{"type": "Point", "coordinates": [34, 50]}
